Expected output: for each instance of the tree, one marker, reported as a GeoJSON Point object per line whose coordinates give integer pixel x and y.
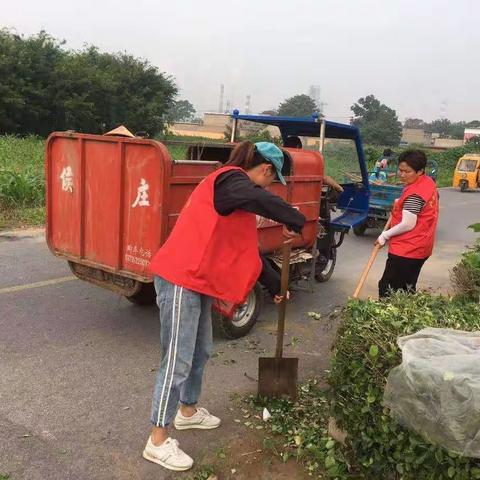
{"type": "Point", "coordinates": [378, 123]}
{"type": "Point", "coordinates": [298, 106]}
{"type": "Point", "coordinates": [456, 130]}
{"type": "Point", "coordinates": [45, 87]}
{"type": "Point", "coordinates": [181, 111]}
{"type": "Point", "coordinates": [27, 83]}
{"type": "Point", "coordinates": [440, 126]}
{"type": "Point", "coordinates": [473, 124]}
{"type": "Point", "coordinates": [414, 123]}
{"type": "Point", "coordinates": [271, 112]}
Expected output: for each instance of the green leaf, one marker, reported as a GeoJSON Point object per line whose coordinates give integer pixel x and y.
{"type": "Point", "coordinates": [373, 352]}
{"type": "Point", "coordinates": [451, 472]}
{"type": "Point", "coordinates": [333, 471]}
{"type": "Point", "coordinates": [329, 462]}
{"type": "Point", "coordinates": [330, 444]}
{"type": "Point", "coordinates": [475, 227]}
{"type": "Point", "coordinates": [475, 472]}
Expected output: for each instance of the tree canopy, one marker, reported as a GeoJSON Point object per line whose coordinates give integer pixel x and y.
{"type": "Point", "coordinates": [378, 123]}
{"type": "Point", "coordinates": [181, 111]}
{"type": "Point", "coordinates": [46, 87]}
{"type": "Point", "coordinates": [414, 123]}
{"type": "Point", "coordinates": [298, 106]}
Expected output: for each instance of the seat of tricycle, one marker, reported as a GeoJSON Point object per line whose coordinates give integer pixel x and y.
{"type": "Point", "coordinates": [354, 204]}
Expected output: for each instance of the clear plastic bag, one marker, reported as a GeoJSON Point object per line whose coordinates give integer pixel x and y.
{"type": "Point", "coordinates": [436, 389]}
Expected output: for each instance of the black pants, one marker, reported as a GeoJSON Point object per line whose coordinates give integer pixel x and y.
{"type": "Point", "coordinates": [401, 273]}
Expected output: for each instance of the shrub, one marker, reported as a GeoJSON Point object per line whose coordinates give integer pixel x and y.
{"type": "Point", "coordinates": [465, 275]}
{"type": "Point", "coordinates": [365, 351]}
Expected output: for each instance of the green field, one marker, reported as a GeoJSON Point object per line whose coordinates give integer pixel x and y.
{"type": "Point", "coordinates": [22, 178]}
{"type": "Point", "coordinates": [22, 181]}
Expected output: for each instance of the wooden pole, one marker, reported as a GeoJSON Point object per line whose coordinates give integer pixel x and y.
{"type": "Point", "coordinates": [369, 264]}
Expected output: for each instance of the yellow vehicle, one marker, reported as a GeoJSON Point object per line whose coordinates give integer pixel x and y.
{"type": "Point", "coordinates": [467, 172]}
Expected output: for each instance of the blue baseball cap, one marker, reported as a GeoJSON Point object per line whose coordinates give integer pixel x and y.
{"type": "Point", "coordinates": [271, 153]}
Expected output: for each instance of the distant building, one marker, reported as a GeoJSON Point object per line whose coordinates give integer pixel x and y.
{"type": "Point", "coordinates": [215, 125]}
{"type": "Point", "coordinates": [470, 133]}
{"type": "Point", "coordinates": [447, 143]}
{"type": "Point", "coordinates": [416, 136]}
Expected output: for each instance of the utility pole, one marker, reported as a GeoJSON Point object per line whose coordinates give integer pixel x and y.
{"type": "Point", "coordinates": [220, 101]}
{"type": "Point", "coordinates": [247, 104]}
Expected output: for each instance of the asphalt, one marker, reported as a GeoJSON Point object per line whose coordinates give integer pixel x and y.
{"type": "Point", "coordinates": [77, 363]}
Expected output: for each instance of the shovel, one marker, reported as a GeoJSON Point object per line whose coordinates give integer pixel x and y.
{"type": "Point", "coordinates": [277, 376]}
{"type": "Point", "coordinates": [369, 264]}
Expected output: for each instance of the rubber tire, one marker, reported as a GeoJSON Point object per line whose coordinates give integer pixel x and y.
{"type": "Point", "coordinates": [359, 230]}
{"type": "Point", "coordinates": [325, 276]}
{"type": "Point", "coordinates": [463, 186]}
{"type": "Point", "coordinates": [227, 329]}
{"type": "Point", "coordinates": [145, 296]}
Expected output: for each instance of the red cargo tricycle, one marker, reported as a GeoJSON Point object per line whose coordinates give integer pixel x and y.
{"type": "Point", "coordinates": [112, 201]}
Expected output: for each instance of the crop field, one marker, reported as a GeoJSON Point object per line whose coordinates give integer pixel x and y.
{"type": "Point", "coordinates": [22, 181]}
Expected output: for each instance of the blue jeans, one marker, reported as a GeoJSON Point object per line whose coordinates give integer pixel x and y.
{"type": "Point", "coordinates": [186, 345]}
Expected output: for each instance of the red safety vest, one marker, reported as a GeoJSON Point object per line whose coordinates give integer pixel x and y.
{"type": "Point", "coordinates": [418, 242]}
{"type": "Point", "coordinates": [210, 253]}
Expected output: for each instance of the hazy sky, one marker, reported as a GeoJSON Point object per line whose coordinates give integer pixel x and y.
{"type": "Point", "coordinates": [419, 57]}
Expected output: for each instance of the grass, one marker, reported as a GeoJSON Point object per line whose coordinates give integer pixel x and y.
{"type": "Point", "coordinates": [22, 218]}
{"type": "Point", "coordinates": [22, 179]}
{"type": "Point", "coordinates": [204, 472]}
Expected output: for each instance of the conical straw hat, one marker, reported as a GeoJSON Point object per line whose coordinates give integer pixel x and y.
{"type": "Point", "coordinates": [121, 131]}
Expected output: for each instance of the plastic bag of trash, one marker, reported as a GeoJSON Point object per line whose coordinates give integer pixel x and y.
{"type": "Point", "coordinates": [436, 389]}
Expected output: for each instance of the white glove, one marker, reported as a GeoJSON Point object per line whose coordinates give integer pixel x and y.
{"type": "Point", "coordinates": [382, 239]}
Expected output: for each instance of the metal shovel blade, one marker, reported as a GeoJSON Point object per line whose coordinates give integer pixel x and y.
{"type": "Point", "coordinates": [277, 377]}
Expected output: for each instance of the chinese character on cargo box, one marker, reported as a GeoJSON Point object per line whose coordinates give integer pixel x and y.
{"type": "Point", "coordinates": [142, 195]}
{"type": "Point", "coordinates": [67, 179]}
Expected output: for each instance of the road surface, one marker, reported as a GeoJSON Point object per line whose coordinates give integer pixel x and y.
{"type": "Point", "coordinates": [77, 363]}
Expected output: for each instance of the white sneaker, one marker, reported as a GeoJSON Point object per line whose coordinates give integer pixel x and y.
{"type": "Point", "coordinates": [202, 419]}
{"type": "Point", "coordinates": [168, 455]}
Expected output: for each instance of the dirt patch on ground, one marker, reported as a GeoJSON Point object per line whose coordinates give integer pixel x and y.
{"type": "Point", "coordinates": [245, 458]}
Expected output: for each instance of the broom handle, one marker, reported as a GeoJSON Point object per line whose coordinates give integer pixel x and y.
{"type": "Point", "coordinates": [368, 266]}
{"type": "Point", "coordinates": [287, 246]}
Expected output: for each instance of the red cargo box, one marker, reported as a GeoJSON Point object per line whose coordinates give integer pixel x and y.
{"type": "Point", "coordinates": [112, 201]}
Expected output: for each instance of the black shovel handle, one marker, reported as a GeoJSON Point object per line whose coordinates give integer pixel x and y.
{"type": "Point", "coordinates": [287, 247]}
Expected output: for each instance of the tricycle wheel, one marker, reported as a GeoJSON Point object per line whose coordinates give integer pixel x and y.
{"type": "Point", "coordinates": [463, 186]}
{"type": "Point", "coordinates": [325, 266]}
{"type": "Point", "coordinates": [244, 318]}
{"type": "Point", "coordinates": [360, 229]}
{"type": "Point", "coordinates": [145, 296]}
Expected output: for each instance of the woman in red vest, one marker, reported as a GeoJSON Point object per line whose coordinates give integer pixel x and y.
{"type": "Point", "coordinates": [414, 221]}
{"type": "Point", "coordinates": [212, 252]}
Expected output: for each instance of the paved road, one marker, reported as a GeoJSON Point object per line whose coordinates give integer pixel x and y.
{"type": "Point", "coordinates": [77, 363]}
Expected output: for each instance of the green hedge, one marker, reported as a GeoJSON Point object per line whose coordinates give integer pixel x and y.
{"type": "Point", "coordinates": [364, 352]}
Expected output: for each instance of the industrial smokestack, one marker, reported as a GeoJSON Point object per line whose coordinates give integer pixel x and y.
{"type": "Point", "coordinates": [220, 101]}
